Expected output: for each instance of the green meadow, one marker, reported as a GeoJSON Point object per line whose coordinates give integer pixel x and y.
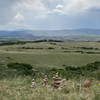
{"type": "Point", "coordinates": [50, 56]}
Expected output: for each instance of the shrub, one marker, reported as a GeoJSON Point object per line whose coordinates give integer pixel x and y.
{"type": "Point", "coordinates": [69, 72]}
{"type": "Point", "coordinates": [50, 48]}
{"type": "Point", "coordinates": [25, 69]}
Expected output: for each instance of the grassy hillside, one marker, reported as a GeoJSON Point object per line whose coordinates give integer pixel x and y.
{"type": "Point", "coordinates": [75, 61]}
{"type": "Point", "coordinates": [52, 54]}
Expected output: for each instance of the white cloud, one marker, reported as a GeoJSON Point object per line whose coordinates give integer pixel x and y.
{"type": "Point", "coordinates": [59, 6]}
{"type": "Point", "coordinates": [58, 11]}
{"type": "Point", "coordinates": [19, 17]}
{"type": "Point", "coordinates": [41, 8]}
{"type": "Point", "coordinates": [35, 5]}
{"type": "Point", "coordinates": [33, 8]}
{"type": "Point", "coordinates": [30, 11]}
{"type": "Point", "coordinates": [17, 20]}
{"type": "Point", "coordinates": [74, 7]}
{"type": "Point", "coordinates": [79, 6]}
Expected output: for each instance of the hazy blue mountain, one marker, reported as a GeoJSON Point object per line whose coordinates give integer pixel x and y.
{"type": "Point", "coordinates": [16, 35]}
{"type": "Point", "coordinates": [65, 35]}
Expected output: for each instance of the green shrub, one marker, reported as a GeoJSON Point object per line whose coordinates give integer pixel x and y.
{"type": "Point", "coordinates": [25, 69]}
{"type": "Point", "coordinates": [90, 70]}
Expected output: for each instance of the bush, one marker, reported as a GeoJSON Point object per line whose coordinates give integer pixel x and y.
{"type": "Point", "coordinates": [50, 48]}
{"type": "Point", "coordinates": [25, 69]}
{"type": "Point", "coordinates": [90, 70]}
{"type": "Point", "coordinates": [76, 72]}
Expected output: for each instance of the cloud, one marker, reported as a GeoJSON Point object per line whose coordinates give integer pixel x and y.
{"type": "Point", "coordinates": [59, 6]}
{"type": "Point", "coordinates": [17, 21]}
{"type": "Point", "coordinates": [79, 6]}
{"type": "Point", "coordinates": [74, 7]}
{"type": "Point", "coordinates": [43, 8]}
{"type": "Point", "coordinates": [6, 11]}
{"type": "Point", "coordinates": [34, 7]}
{"type": "Point", "coordinates": [19, 17]}
{"type": "Point", "coordinates": [34, 12]}
{"type": "Point", "coordinates": [58, 11]}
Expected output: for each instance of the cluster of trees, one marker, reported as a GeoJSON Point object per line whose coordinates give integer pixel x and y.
{"type": "Point", "coordinates": [11, 43]}
{"type": "Point", "coordinates": [47, 41]}
{"type": "Point", "coordinates": [30, 48]}
{"type": "Point", "coordinates": [87, 48]}
{"type": "Point", "coordinates": [84, 52]}
{"type": "Point", "coordinates": [3, 43]}
{"type": "Point", "coordinates": [36, 48]}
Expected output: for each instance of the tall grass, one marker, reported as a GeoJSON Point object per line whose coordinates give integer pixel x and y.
{"type": "Point", "coordinates": [20, 89]}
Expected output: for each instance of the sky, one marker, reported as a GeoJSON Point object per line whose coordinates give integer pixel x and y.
{"type": "Point", "coordinates": [49, 14]}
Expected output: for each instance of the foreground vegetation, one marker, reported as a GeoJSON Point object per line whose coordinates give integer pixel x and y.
{"type": "Point", "coordinates": [20, 62]}
{"type": "Point", "coordinates": [20, 89]}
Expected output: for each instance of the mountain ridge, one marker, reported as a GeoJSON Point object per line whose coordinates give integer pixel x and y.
{"type": "Point", "coordinates": [66, 34]}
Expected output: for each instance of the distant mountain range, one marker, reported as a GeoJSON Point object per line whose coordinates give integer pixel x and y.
{"type": "Point", "coordinates": [63, 35]}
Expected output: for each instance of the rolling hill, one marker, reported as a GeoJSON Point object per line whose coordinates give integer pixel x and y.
{"type": "Point", "coordinates": [64, 35]}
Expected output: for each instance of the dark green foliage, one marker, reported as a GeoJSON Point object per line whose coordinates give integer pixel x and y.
{"type": "Point", "coordinates": [50, 48]}
{"type": "Point", "coordinates": [11, 43]}
{"type": "Point", "coordinates": [80, 51]}
{"type": "Point", "coordinates": [83, 52]}
{"type": "Point", "coordinates": [87, 48]}
{"type": "Point", "coordinates": [37, 41]}
{"type": "Point", "coordinates": [84, 70]}
{"type": "Point", "coordinates": [29, 48]}
{"type": "Point", "coordinates": [89, 67]}
{"type": "Point", "coordinates": [90, 70]}
{"type": "Point", "coordinates": [26, 69]}
{"type": "Point", "coordinates": [53, 43]}
{"type": "Point", "coordinates": [19, 66]}
{"type": "Point", "coordinates": [76, 72]}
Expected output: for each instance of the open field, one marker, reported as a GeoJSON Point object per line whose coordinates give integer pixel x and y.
{"type": "Point", "coordinates": [54, 55]}
{"type": "Point", "coordinates": [48, 54]}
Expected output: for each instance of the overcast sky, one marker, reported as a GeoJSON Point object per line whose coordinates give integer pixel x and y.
{"type": "Point", "coordinates": [49, 14]}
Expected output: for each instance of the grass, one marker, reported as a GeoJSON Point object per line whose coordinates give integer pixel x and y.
{"type": "Point", "coordinates": [51, 58]}
{"type": "Point", "coordinates": [20, 89]}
